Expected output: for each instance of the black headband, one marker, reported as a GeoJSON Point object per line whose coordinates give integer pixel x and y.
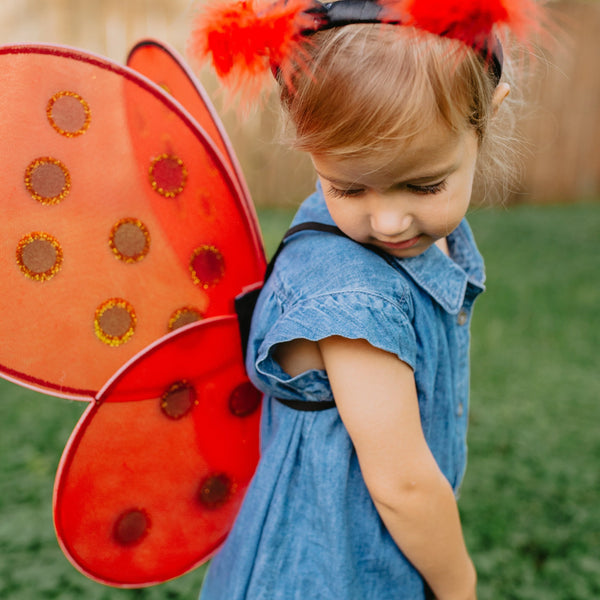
{"type": "Point", "coordinates": [348, 12]}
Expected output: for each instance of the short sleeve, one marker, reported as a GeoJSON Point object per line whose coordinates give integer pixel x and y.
{"type": "Point", "coordinates": [381, 321]}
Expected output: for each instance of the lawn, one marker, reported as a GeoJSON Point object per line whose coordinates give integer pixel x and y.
{"type": "Point", "coordinates": [531, 496]}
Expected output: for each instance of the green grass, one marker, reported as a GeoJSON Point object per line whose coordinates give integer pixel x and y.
{"type": "Point", "coordinates": [531, 496]}
{"type": "Point", "coordinates": [530, 500]}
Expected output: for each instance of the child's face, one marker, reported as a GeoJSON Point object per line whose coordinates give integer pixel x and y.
{"type": "Point", "coordinates": [406, 206]}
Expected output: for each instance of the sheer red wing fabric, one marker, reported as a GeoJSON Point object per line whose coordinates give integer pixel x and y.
{"type": "Point", "coordinates": [156, 470]}
{"type": "Point", "coordinates": [121, 219]}
{"type": "Point", "coordinates": [127, 232]}
{"type": "Point", "coordinates": [162, 65]}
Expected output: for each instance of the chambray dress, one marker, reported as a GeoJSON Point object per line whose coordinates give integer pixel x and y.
{"type": "Point", "coordinates": [308, 528]}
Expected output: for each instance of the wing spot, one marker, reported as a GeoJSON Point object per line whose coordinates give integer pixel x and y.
{"type": "Point", "coordinates": [215, 490]}
{"type": "Point", "coordinates": [129, 240]}
{"type": "Point", "coordinates": [115, 321]}
{"type": "Point", "coordinates": [47, 180]}
{"type": "Point", "coordinates": [168, 175]}
{"type": "Point", "coordinates": [207, 266]}
{"type": "Point", "coordinates": [131, 527]}
{"type": "Point", "coordinates": [184, 316]}
{"type": "Point", "coordinates": [244, 400]}
{"type": "Point", "coordinates": [179, 400]}
{"type": "Point", "coordinates": [39, 256]}
{"type": "Point", "coordinates": [68, 113]}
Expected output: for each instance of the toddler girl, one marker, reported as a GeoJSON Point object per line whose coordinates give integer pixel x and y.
{"type": "Point", "coordinates": [360, 337]}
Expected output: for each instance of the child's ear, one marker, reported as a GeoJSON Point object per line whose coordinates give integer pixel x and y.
{"type": "Point", "coordinates": [500, 93]}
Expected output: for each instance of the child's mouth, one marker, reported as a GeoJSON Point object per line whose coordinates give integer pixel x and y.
{"type": "Point", "coordinates": [402, 245]}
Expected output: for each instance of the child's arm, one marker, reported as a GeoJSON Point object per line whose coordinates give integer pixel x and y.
{"type": "Point", "coordinates": [376, 396]}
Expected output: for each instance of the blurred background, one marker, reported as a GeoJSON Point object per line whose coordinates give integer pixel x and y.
{"type": "Point", "coordinates": [560, 130]}
{"type": "Point", "coordinates": [531, 496]}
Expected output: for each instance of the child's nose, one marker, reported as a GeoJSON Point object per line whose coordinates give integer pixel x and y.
{"type": "Point", "coordinates": [389, 219]}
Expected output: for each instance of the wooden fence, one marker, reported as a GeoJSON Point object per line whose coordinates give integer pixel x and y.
{"type": "Point", "coordinates": [561, 131]}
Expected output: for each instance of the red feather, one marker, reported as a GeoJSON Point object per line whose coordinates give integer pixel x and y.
{"type": "Point", "coordinates": [470, 21]}
{"type": "Point", "coordinates": [244, 39]}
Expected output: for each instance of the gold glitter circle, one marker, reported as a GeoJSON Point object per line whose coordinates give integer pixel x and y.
{"type": "Point", "coordinates": [115, 321]}
{"type": "Point", "coordinates": [168, 175]}
{"type": "Point", "coordinates": [47, 180]}
{"type": "Point", "coordinates": [39, 256]}
{"type": "Point", "coordinates": [207, 266]}
{"type": "Point", "coordinates": [184, 316]}
{"type": "Point", "coordinates": [129, 240]}
{"type": "Point", "coordinates": [68, 113]}
{"type": "Point", "coordinates": [178, 400]}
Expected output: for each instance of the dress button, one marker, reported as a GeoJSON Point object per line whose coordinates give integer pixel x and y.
{"type": "Point", "coordinates": [460, 410]}
{"type": "Point", "coordinates": [462, 318]}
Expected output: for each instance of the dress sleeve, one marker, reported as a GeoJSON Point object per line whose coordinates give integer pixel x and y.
{"type": "Point", "coordinates": [381, 321]}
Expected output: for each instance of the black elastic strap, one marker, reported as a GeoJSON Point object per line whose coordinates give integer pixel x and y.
{"type": "Point", "coordinates": [245, 304]}
{"type": "Point", "coordinates": [307, 405]}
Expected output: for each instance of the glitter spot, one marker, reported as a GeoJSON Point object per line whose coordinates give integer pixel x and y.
{"type": "Point", "coordinates": [214, 491]}
{"type": "Point", "coordinates": [178, 400]}
{"type": "Point", "coordinates": [115, 321]}
{"type": "Point", "coordinates": [184, 316]}
{"type": "Point", "coordinates": [168, 175]}
{"type": "Point", "coordinates": [39, 256]}
{"type": "Point", "coordinates": [129, 240]}
{"type": "Point", "coordinates": [207, 266]}
{"type": "Point", "coordinates": [244, 400]}
{"type": "Point", "coordinates": [131, 527]}
{"type": "Point", "coordinates": [47, 180]}
{"type": "Point", "coordinates": [68, 113]}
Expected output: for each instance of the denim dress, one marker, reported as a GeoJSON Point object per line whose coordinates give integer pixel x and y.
{"type": "Point", "coordinates": [308, 529]}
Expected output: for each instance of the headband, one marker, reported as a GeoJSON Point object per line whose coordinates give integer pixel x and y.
{"type": "Point", "coordinates": [353, 12]}
{"type": "Point", "coordinates": [245, 41]}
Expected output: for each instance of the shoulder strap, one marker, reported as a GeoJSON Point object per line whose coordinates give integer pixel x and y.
{"type": "Point", "coordinates": [308, 226]}
{"type": "Point", "coordinates": [246, 302]}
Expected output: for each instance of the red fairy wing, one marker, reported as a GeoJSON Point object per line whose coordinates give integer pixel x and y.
{"type": "Point", "coordinates": [154, 474]}
{"type": "Point", "coordinates": [121, 219]}
{"type": "Point", "coordinates": [164, 66]}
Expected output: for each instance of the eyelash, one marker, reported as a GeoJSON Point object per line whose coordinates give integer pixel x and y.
{"type": "Point", "coordinates": [338, 193]}
{"type": "Point", "coordinates": [432, 189]}
{"type": "Point", "coordinates": [424, 190]}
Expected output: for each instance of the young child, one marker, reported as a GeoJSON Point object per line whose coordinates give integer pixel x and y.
{"type": "Point", "coordinates": [360, 337]}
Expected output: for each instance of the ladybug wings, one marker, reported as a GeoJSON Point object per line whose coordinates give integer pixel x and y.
{"type": "Point", "coordinates": [127, 233]}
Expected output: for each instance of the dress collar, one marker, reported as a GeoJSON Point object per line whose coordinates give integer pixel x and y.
{"type": "Point", "coordinates": [445, 278]}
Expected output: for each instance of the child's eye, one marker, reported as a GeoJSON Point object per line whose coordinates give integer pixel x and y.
{"type": "Point", "coordinates": [347, 193]}
{"type": "Point", "coordinates": [434, 188]}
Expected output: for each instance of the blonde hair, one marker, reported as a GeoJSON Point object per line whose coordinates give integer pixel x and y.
{"type": "Point", "coordinates": [372, 88]}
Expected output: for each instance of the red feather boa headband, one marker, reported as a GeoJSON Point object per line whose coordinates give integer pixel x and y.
{"type": "Point", "coordinates": [246, 38]}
